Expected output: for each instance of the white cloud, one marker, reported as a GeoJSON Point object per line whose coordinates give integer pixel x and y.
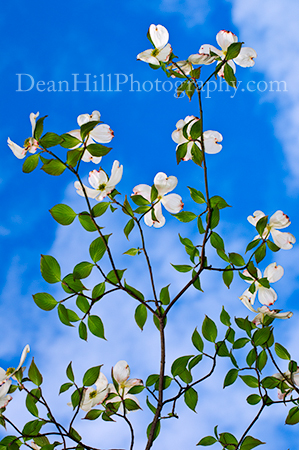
{"type": "Point", "coordinates": [194, 11]}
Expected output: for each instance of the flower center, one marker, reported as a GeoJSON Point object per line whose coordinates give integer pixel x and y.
{"type": "Point", "coordinates": [10, 371]}
{"type": "Point", "coordinates": [155, 52]}
{"type": "Point", "coordinates": [93, 394]}
{"type": "Point", "coordinates": [101, 187]}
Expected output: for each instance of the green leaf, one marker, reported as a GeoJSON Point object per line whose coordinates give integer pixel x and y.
{"type": "Point", "coordinates": [230, 377]}
{"type": "Point", "coordinates": [196, 195]}
{"type": "Point", "coordinates": [227, 438]}
{"type": "Point", "coordinates": [229, 76]}
{"type": "Point", "coordinates": [253, 399]}
{"type": "Point", "coordinates": [74, 434]}
{"type": "Point", "coordinates": [31, 405]}
{"type": "Point", "coordinates": [209, 329]}
{"type": "Point", "coordinates": [252, 244]}
{"type": "Point", "coordinates": [98, 291]}
{"type": "Point", "coordinates": [154, 193]}
{"type": "Point", "coordinates": [34, 374]}
{"type": "Point", "coordinates": [181, 152]}
{"type": "Point", "coordinates": [270, 382]}
{"type": "Point", "coordinates": [222, 349]}
{"type": "Point", "coordinates": [131, 405]}
{"type": "Point", "coordinates": [250, 380]}
{"type": "Point", "coordinates": [82, 270]}
{"type": "Point", "coordinates": [96, 326]}
{"type": "Point", "coordinates": [222, 255]}
{"type": "Point", "coordinates": [196, 283]}
{"type": "Point", "coordinates": [93, 414]}
{"type": "Point", "coordinates": [206, 441]}
{"type": "Point", "coordinates": [233, 50]}
{"type": "Point", "coordinates": [261, 336]}
{"type": "Point", "coordinates": [196, 129]}
{"type": "Point", "coordinates": [97, 248]}
{"type": "Point", "coordinates": [112, 276]}
{"type": "Point", "coordinates": [260, 253]}
{"type": "Point", "coordinates": [82, 329]}
{"type": "Point", "coordinates": [91, 376]}
{"type": "Point", "coordinates": [225, 317]}
{"type": "Point", "coordinates": [164, 295]}
{"type": "Point", "coordinates": [141, 315]}
{"type": "Point", "coordinates": [250, 442]}
{"type": "Point", "coordinates": [50, 269]}
{"type": "Point", "coordinates": [45, 301]}
{"type": "Point", "coordinates": [200, 225]}
{"type": "Point", "coordinates": [156, 432]}
{"type": "Point", "coordinates": [261, 224]}
{"type": "Point", "coordinates": [216, 241]}
{"type": "Point", "coordinates": [197, 341]}
{"type": "Point", "coordinates": [126, 209]}
{"type": "Point", "coordinates": [30, 163]}
{"type": "Point", "coordinates": [240, 343]}
{"type": "Point", "coordinates": [228, 276]}
{"type": "Point", "coordinates": [218, 202]}
{"type": "Point", "coordinates": [282, 352]}
{"type": "Point", "coordinates": [191, 398]}
{"type": "Point", "coordinates": [215, 217]}
{"type": "Point", "coordinates": [132, 252]}
{"type": "Point", "coordinates": [70, 373]}
{"type": "Point", "coordinates": [152, 379]}
{"type": "Point", "coordinates": [73, 157]}
{"type": "Point", "coordinates": [182, 268]}
{"type": "Point", "coordinates": [98, 149]}
{"type": "Point", "coordinates": [236, 259]}
{"type": "Point", "coordinates": [53, 167]}
{"type": "Point", "coordinates": [63, 214]}
{"type": "Point", "coordinates": [99, 209]}
{"type": "Point", "coordinates": [32, 428]}
{"type": "Point", "coordinates": [87, 127]}
{"type": "Point", "coordinates": [82, 303]}
{"type": "Point", "coordinates": [129, 227]}
{"type": "Point", "coordinates": [38, 131]}
{"type": "Point", "coordinates": [261, 360]}
{"type": "Point", "coordinates": [64, 387]}
{"type": "Point", "coordinates": [69, 141]}
{"type": "Point", "coordinates": [139, 200]}
{"type": "Point", "coordinates": [86, 221]}
{"type": "Point", "coordinates": [185, 216]}
{"type": "Point", "coordinates": [137, 389]}
{"type": "Point", "coordinates": [179, 365]}
{"type": "Point", "coordinates": [63, 315]}
{"type": "Point", "coordinates": [293, 366]}
{"type": "Point", "coordinates": [194, 361]}
{"type": "Point", "coordinates": [293, 416]}
{"type": "Point", "coordinates": [71, 285]}
{"type": "Point", "coordinates": [273, 247]}
{"type": "Point", "coordinates": [50, 140]}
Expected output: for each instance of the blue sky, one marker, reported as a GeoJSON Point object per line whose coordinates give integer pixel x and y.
{"type": "Point", "coordinates": [257, 168]}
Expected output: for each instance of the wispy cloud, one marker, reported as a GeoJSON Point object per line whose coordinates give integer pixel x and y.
{"type": "Point", "coordinates": [194, 11]}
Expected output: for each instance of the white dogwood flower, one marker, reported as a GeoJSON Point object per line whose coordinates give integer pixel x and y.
{"type": "Point", "coordinates": [159, 37]}
{"type": "Point", "coordinates": [224, 40]}
{"type": "Point", "coordinates": [266, 296]}
{"type": "Point", "coordinates": [101, 134]}
{"type": "Point", "coordinates": [92, 397]}
{"type": "Point", "coordinates": [290, 379]}
{"type": "Point", "coordinates": [171, 202]}
{"type": "Point", "coordinates": [211, 138]}
{"type": "Point", "coordinates": [101, 184]}
{"type": "Point", "coordinates": [278, 221]}
{"type": "Point", "coordinates": [4, 397]}
{"type": "Point", "coordinates": [5, 374]}
{"type": "Point", "coordinates": [30, 145]}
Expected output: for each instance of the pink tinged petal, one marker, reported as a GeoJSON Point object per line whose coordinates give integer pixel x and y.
{"type": "Point", "coordinates": [116, 175]}
{"type": "Point", "coordinates": [159, 216]}
{"type": "Point", "coordinates": [102, 133]}
{"type": "Point", "coordinates": [23, 356]}
{"type": "Point", "coordinates": [247, 274]}
{"type": "Point", "coordinates": [279, 220]}
{"type": "Point", "coordinates": [283, 315]}
{"type": "Point", "coordinates": [257, 215]}
{"type": "Point", "coordinates": [147, 56]}
{"type": "Point", "coordinates": [164, 54]}
{"type": "Point", "coordinates": [180, 124]}
{"type": "Point", "coordinates": [144, 190]}
{"type": "Point", "coordinates": [248, 299]}
{"type": "Point", "coordinates": [283, 240]}
{"type": "Point", "coordinates": [188, 155]}
{"type": "Point", "coordinates": [82, 119]}
{"type": "Point", "coordinates": [206, 49]}
{"type": "Point", "coordinates": [121, 371]}
{"type": "Point", "coordinates": [246, 57]}
{"type": "Point", "coordinates": [19, 152]}
{"type": "Point", "coordinates": [266, 296]}
{"type": "Point", "coordinates": [165, 184]}
{"type": "Point", "coordinates": [95, 115]}
{"type": "Point", "coordinates": [273, 272]}
{"type": "Point", "coordinates": [3, 375]}
{"type": "Point", "coordinates": [32, 118]}
{"type": "Point", "coordinates": [211, 139]}
{"type": "Point", "coordinates": [133, 382]}
{"type": "Point", "coordinates": [159, 35]}
{"type": "Point", "coordinates": [5, 400]}
{"type": "Point", "coordinates": [87, 157]}
{"type": "Point", "coordinates": [258, 319]}
{"type": "Point", "coordinates": [172, 203]}
{"type": "Point", "coordinates": [201, 58]}
{"type": "Point", "coordinates": [225, 39]}
{"type": "Point", "coordinates": [91, 193]}
{"type": "Point", "coordinates": [102, 382]}
{"type": "Point", "coordinates": [4, 388]}
{"type": "Point", "coordinates": [178, 137]}
{"type": "Point", "coordinates": [97, 178]}
{"type": "Point", "coordinates": [148, 219]}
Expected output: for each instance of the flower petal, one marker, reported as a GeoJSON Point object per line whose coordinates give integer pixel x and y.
{"type": "Point", "coordinates": [91, 193]}
{"type": "Point", "coordinates": [147, 56]}
{"type": "Point", "coordinates": [247, 298]}
{"type": "Point", "coordinates": [211, 139]}
{"type": "Point", "coordinates": [225, 39]}
{"type": "Point", "coordinates": [206, 49]}
{"type": "Point", "coordinates": [116, 175]}
{"type": "Point", "coordinates": [245, 57]}
{"type": "Point", "coordinates": [279, 220]}
{"type": "Point", "coordinates": [173, 203]}
{"type": "Point", "coordinates": [23, 356]}
{"type": "Point", "coordinates": [121, 371]}
{"type": "Point", "coordinates": [144, 190]}
{"type": "Point", "coordinates": [273, 272]}
{"type": "Point", "coordinates": [283, 240]}
{"type": "Point", "coordinates": [19, 152]}
{"type": "Point", "coordinates": [164, 184]}
{"type": "Point", "coordinates": [87, 157]}
{"type": "Point", "coordinates": [159, 35]}
{"type": "Point", "coordinates": [32, 118]}
{"type": "Point", "coordinates": [102, 133]}
{"type": "Point", "coordinates": [165, 53]}
{"type": "Point", "coordinates": [266, 296]}
{"type": "Point", "coordinates": [257, 215]}
{"type": "Point", "coordinates": [159, 216]}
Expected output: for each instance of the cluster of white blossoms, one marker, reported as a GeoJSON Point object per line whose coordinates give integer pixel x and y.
{"type": "Point", "coordinates": [121, 373]}
{"type": "Point", "coordinates": [211, 138]}
{"type": "Point", "coordinates": [5, 376]}
{"type": "Point", "coordinates": [30, 145]}
{"type": "Point", "coordinates": [172, 202]}
{"type": "Point", "coordinates": [291, 379]}
{"type": "Point", "coordinates": [266, 295]}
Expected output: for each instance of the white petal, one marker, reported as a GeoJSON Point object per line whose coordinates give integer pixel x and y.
{"type": "Point", "coordinates": [144, 190]}
{"type": "Point", "coordinates": [266, 296]}
{"type": "Point", "coordinates": [148, 219]}
{"type": "Point", "coordinates": [245, 57]}
{"type": "Point", "coordinates": [18, 151]}
{"type": "Point", "coordinates": [121, 371]}
{"type": "Point", "coordinates": [116, 175]}
{"type": "Point", "coordinates": [165, 184]}
{"type": "Point", "coordinates": [207, 49]}
{"type": "Point", "coordinates": [102, 382]}
{"type": "Point", "coordinates": [178, 137]}
{"type": "Point", "coordinates": [82, 119]}
{"type": "Point", "coordinates": [257, 215]}
{"type": "Point", "coordinates": [102, 133]}
{"type": "Point", "coordinates": [91, 193]}
{"type": "Point", "coordinates": [32, 118]}
{"type": "Point", "coordinates": [164, 54]}
{"type": "Point", "coordinates": [23, 356]}
{"type": "Point", "coordinates": [283, 240]}
{"type": "Point", "coordinates": [273, 272]}
{"type": "Point", "coordinates": [96, 115]}
{"type": "Point", "coordinates": [87, 157]}
{"type": "Point", "coordinates": [4, 388]}
{"type": "Point", "coordinates": [211, 139]}
{"type": "Point", "coordinates": [279, 220]}
{"type": "Point", "coordinates": [147, 56]}
{"type": "Point", "coordinates": [173, 203]}
{"type": "Point", "coordinates": [188, 155]}
{"type": "Point", "coordinates": [201, 58]}
{"type": "Point", "coordinates": [159, 35]}
{"type": "Point", "coordinates": [97, 178]}
{"type": "Point", "coordinates": [248, 299]}
{"type": "Point", "coordinates": [225, 39]}
{"type": "Point", "coordinates": [159, 216]}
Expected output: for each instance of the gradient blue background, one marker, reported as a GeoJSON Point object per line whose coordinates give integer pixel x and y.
{"type": "Point", "coordinates": [257, 169]}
